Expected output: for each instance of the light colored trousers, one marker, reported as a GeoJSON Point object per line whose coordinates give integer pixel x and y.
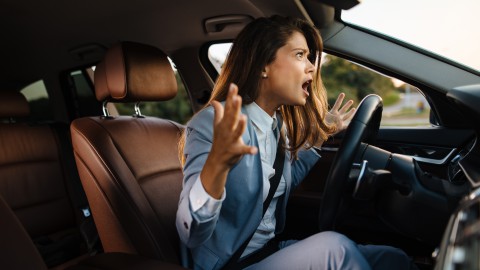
{"type": "Point", "coordinates": [331, 250]}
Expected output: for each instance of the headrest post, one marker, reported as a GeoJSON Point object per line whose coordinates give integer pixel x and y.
{"type": "Point", "coordinates": [138, 113]}
{"type": "Point", "coordinates": [105, 110]}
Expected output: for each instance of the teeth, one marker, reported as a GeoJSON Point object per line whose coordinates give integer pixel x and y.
{"type": "Point", "coordinates": [306, 84]}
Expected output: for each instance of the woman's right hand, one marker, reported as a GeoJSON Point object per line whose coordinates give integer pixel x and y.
{"type": "Point", "coordinates": [228, 146]}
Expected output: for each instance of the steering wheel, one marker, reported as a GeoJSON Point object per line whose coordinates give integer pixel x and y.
{"type": "Point", "coordinates": [362, 128]}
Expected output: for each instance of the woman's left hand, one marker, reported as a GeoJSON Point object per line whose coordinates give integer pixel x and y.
{"type": "Point", "coordinates": [340, 115]}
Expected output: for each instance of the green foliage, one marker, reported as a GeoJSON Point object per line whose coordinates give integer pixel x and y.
{"type": "Point", "coordinates": [177, 109]}
{"type": "Point", "coordinates": [355, 81]}
{"type": "Point", "coordinates": [391, 98]}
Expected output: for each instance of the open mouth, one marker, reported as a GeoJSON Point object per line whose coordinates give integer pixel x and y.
{"type": "Point", "coordinates": [305, 86]}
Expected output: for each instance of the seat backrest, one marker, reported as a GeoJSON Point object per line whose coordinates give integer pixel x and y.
{"type": "Point", "coordinates": [128, 165]}
{"type": "Point", "coordinates": [16, 248]}
{"type": "Point", "coordinates": [33, 179]}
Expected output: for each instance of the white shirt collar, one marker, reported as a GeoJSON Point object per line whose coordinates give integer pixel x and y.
{"type": "Point", "coordinates": [261, 119]}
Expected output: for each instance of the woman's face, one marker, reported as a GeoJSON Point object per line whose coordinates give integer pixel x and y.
{"type": "Point", "coordinates": [288, 76]}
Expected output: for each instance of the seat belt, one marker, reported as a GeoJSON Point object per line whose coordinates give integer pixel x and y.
{"type": "Point", "coordinates": [278, 164]}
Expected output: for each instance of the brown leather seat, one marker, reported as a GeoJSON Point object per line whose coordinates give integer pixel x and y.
{"type": "Point", "coordinates": [16, 248]}
{"type": "Point", "coordinates": [33, 180]}
{"type": "Point", "coordinates": [18, 252]}
{"type": "Point", "coordinates": [129, 165]}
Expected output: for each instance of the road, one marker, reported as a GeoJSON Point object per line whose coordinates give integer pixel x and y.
{"type": "Point", "coordinates": [390, 115]}
{"type": "Point", "coordinates": [406, 101]}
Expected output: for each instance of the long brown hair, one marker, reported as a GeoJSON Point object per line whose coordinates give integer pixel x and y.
{"type": "Point", "coordinates": [256, 47]}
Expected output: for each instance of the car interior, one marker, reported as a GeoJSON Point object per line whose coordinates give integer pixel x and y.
{"type": "Point", "coordinates": [94, 97]}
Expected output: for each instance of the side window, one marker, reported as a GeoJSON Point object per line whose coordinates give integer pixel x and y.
{"type": "Point", "coordinates": [39, 102]}
{"type": "Point", "coordinates": [217, 54]}
{"type": "Point", "coordinates": [404, 105]}
{"type": "Point", "coordinates": [177, 109]}
{"type": "Point", "coordinates": [81, 82]}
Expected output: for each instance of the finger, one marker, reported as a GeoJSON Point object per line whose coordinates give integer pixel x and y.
{"type": "Point", "coordinates": [338, 102]}
{"type": "Point", "coordinates": [241, 127]}
{"type": "Point", "coordinates": [346, 107]}
{"type": "Point", "coordinates": [246, 150]}
{"type": "Point", "coordinates": [237, 133]}
{"type": "Point", "coordinates": [243, 148]}
{"type": "Point", "coordinates": [250, 150]}
{"type": "Point", "coordinates": [218, 111]}
{"type": "Point", "coordinates": [349, 115]}
{"type": "Point", "coordinates": [232, 117]}
{"type": "Point", "coordinates": [232, 91]}
{"type": "Point", "coordinates": [233, 114]}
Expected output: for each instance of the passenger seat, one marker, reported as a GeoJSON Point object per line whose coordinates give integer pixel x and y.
{"type": "Point", "coordinates": [129, 165]}
{"type": "Point", "coordinates": [36, 181]}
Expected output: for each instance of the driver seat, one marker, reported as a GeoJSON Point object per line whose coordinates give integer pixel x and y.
{"type": "Point", "coordinates": [129, 165]}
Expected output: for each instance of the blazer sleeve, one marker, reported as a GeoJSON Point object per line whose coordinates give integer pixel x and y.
{"type": "Point", "coordinates": [198, 143]}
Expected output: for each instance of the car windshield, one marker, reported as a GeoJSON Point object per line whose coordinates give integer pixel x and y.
{"type": "Point", "coordinates": [447, 28]}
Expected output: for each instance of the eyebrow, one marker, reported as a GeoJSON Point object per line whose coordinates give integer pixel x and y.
{"type": "Point", "coordinates": [303, 50]}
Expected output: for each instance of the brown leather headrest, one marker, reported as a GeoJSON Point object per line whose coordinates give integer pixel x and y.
{"type": "Point", "coordinates": [133, 72]}
{"type": "Point", "coordinates": [13, 104]}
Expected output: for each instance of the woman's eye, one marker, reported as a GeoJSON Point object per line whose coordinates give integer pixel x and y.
{"type": "Point", "coordinates": [300, 55]}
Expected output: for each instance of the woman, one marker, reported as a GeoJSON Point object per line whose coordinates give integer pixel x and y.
{"type": "Point", "coordinates": [226, 217]}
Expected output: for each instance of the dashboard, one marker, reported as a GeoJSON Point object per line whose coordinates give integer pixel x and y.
{"type": "Point", "coordinates": [460, 245]}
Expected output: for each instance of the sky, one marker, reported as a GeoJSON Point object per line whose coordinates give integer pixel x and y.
{"type": "Point", "coordinates": [447, 27]}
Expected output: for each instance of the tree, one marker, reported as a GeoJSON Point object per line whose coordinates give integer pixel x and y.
{"type": "Point", "coordinates": [355, 81]}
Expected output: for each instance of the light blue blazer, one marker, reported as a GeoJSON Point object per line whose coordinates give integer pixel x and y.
{"type": "Point", "coordinates": [210, 244]}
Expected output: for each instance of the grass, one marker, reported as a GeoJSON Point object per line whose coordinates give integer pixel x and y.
{"type": "Point", "coordinates": [390, 99]}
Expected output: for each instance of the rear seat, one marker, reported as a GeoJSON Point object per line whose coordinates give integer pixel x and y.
{"type": "Point", "coordinates": [37, 182]}
{"type": "Point", "coordinates": [16, 248]}
{"type": "Point", "coordinates": [18, 252]}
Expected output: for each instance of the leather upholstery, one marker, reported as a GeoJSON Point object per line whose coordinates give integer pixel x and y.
{"type": "Point", "coordinates": [13, 104]}
{"type": "Point", "coordinates": [18, 252]}
{"type": "Point", "coordinates": [16, 248]}
{"type": "Point", "coordinates": [128, 165]}
{"type": "Point", "coordinates": [136, 72]}
{"type": "Point", "coordinates": [32, 178]}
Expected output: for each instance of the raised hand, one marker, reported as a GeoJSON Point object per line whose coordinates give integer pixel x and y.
{"type": "Point", "coordinates": [228, 127]}
{"type": "Point", "coordinates": [340, 114]}
{"type": "Point", "coordinates": [227, 146]}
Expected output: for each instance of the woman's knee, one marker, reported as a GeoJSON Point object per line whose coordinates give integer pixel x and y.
{"type": "Point", "coordinates": [334, 239]}
{"type": "Point", "coordinates": [336, 245]}
{"type": "Point", "coordinates": [340, 252]}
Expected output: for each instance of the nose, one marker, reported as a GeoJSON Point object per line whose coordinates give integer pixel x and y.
{"type": "Point", "coordinates": [310, 67]}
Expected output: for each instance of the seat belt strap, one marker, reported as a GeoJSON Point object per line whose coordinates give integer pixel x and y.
{"type": "Point", "coordinates": [278, 164]}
